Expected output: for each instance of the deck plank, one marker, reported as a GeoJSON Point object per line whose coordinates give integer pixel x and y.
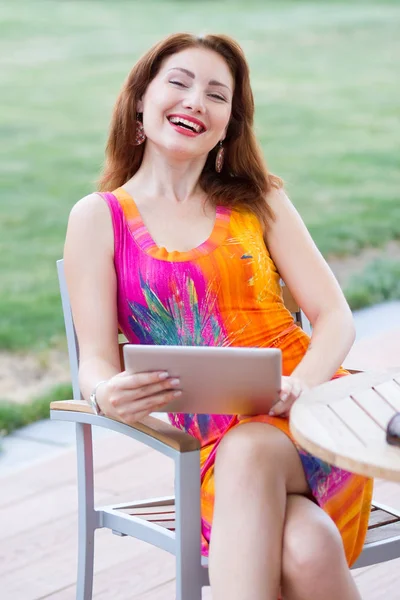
{"type": "Point", "coordinates": [51, 567]}
{"type": "Point", "coordinates": [379, 582]}
{"type": "Point", "coordinates": [149, 571]}
{"type": "Point", "coordinates": [60, 470]}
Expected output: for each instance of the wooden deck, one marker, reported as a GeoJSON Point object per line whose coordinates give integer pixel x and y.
{"type": "Point", "coordinates": [38, 530]}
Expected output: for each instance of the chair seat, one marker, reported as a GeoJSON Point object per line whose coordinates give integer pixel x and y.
{"type": "Point", "coordinates": [383, 525]}
{"type": "Point", "coordinates": [164, 515]}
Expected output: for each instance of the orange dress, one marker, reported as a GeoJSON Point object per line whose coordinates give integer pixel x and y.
{"type": "Point", "coordinates": [225, 292]}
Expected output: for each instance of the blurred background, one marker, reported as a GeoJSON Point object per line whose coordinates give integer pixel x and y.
{"type": "Point", "coordinates": [325, 76]}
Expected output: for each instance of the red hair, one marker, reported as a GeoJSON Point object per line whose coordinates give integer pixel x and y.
{"type": "Point", "coordinates": [244, 181]}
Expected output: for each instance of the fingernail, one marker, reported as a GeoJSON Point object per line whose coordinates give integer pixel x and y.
{"type": "Point", "coordinates": [175, 381]}
{"type": "Point", "coordinates": [163, 375]}
{"type": "Point", "coordinates": [283, 397]}
{"type": "Point", "coordinates": [271, 413]}
{"type": "Point", "coordinates": [177, 394]}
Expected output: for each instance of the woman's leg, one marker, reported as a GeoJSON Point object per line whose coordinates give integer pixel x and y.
{"type": "Point", "coordinates": [313, 559]}
{"type": "Point", "coordinates": [256, 467]}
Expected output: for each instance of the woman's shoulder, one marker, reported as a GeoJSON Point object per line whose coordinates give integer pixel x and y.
{"type": "Point", "coordinates": [277, 202]}
{"type": "Point", "coordinates": [281, 205]}
{"type": "Point", "coordinates": [89, 230]}
{"type": "Point", "coordinates": [96, 205]}
{"type": "Point", "coordinates": [89, 206]}
{"type": "Point", "coordinates": [90, 213]}
{"type": "Point", "coordinates": [277, 198]}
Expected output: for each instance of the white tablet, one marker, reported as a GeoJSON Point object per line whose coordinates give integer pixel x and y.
{"type": "Point", "coordinates": [214, 380]}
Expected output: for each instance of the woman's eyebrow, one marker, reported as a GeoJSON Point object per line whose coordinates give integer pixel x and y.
{"type": "Point", "coordinates": [192, 75]}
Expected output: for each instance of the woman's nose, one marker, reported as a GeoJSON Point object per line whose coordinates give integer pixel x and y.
{"type": "Point", "coordinates": [194, 101]}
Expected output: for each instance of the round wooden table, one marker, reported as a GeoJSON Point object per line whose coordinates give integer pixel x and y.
{"type": "Point", "coordinates": [344, 422]}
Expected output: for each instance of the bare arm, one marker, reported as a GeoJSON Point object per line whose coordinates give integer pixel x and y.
{"type": "Point", "coordinates": [92, 287]}
{"type": "Point", "coordinates": [91, 282]}
{"type": "Point", "coordinates": [314, 288]}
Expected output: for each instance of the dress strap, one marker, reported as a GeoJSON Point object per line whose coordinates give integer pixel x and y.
{"type": "Point", "coordinates": [117, 216]}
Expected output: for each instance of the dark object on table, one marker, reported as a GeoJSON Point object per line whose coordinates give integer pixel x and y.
{"type": "Point", "coordinates": [393, 430]}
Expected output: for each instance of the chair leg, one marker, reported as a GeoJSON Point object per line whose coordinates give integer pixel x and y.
{"type": "Point", "coordinates": [188, 531]}
{"type": "Point", "coordinates": [87, 517]}
{"type": "Point", "coordinates": [186, 588]}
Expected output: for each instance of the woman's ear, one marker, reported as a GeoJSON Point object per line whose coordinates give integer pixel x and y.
{"type": "Point", "coordinates": [139, 106]}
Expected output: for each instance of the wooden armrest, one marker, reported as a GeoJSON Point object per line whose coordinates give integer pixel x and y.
{"type": "Point", "coordinates": [155, 428]}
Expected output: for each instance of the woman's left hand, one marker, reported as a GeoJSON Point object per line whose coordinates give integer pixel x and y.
{"type": "Point", "coordinates": [291, 389]}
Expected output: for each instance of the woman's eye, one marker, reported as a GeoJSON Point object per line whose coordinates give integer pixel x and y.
{"type": "Point", "coordinates": [218, 97]}
{"type": "Point", "coordinates": [179, 83]}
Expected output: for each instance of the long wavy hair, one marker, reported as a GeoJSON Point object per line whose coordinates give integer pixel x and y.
{"type": "Point", "coordinates": [244, 181]}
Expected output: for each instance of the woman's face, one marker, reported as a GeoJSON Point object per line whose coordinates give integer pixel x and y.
{"type": "Point", "coordinates": [187, 107]}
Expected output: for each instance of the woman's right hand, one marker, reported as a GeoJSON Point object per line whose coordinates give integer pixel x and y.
{"type": "Point", "coordinates": [128, 398]}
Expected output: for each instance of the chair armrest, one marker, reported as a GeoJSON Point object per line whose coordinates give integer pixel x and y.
{"type": "Point", "coordinates": [163, 432]}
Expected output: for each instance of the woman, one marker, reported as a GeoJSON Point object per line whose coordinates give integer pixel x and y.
{"type": "Point", "coordinates": [187, 249]}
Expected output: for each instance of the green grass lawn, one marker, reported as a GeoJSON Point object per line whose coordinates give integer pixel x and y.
{"type": "Point", "coordinates": [326, 83]}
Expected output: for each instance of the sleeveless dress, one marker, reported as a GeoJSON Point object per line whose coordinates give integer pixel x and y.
{"type": "Point", "coordinates": [225, 292]}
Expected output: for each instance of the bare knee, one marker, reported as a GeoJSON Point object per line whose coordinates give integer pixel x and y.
{"type": "Point", "coordinates": [248, 448]}
{"type": "Point", "coordinates": [263, 451]}
{"type": "Point", "coordinates": [312, 547]}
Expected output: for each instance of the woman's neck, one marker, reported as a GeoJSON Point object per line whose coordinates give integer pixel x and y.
{"type": "Point", "coordinates": [177, 181]}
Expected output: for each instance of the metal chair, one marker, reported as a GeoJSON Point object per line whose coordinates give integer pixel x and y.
{"type": "Point", "coordinates": [171, 523]}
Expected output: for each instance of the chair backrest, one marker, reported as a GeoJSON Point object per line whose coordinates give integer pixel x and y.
{"type": "Point", "coordinates": [72, 341]}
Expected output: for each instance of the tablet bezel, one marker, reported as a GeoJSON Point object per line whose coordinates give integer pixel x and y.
{"type": "Point", "coordinates": [215, 380]}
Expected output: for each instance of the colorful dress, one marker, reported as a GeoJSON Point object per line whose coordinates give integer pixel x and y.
{"type": "Point", "coordinates": [225, 292]}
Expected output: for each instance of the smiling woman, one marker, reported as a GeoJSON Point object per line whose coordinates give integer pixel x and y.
{"type": "Point", "coordinates": [185, 244]}
{"type": "Point", "coordinates": [208, 79]}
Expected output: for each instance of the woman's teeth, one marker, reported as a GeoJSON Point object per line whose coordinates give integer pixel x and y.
{"type": "Point", "coordinates": [185, 123]}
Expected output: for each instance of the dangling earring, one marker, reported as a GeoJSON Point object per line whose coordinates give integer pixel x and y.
{"type": "Point", "coordinates": [140, 135]}
{"type": "Point", "coordinates": [219, 161]}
